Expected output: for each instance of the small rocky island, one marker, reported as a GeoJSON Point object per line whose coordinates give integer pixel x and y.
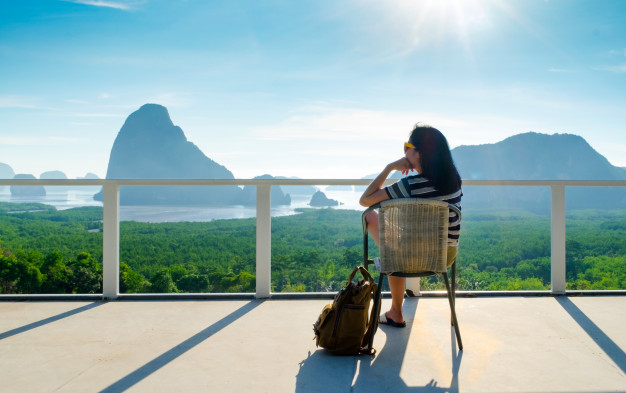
{"type": "Point", "coordinates": [319, 199]}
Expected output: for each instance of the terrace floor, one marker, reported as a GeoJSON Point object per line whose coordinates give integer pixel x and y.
{"type": "Point", "coordinates": [511, 344]}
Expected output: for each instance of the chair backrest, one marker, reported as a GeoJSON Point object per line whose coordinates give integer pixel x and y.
{"type": "Point", "coordinates": [413, 235]}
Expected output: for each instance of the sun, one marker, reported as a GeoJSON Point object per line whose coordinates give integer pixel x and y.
{"type": "Point", "coordinates": [436, 22]}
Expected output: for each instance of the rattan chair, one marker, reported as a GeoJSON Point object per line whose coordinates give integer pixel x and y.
{"type": "Point", "coordinates": [413, 243]}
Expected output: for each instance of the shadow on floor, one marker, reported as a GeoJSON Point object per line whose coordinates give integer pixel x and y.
{"type": "Point", "coordinates": [46, 321]}
{"type": "Point", "coordinates": [149, 368]}
{"type": "Point", "coordinates": [322, 371]}
{"type": "Point", "coordinates": [601, 339]}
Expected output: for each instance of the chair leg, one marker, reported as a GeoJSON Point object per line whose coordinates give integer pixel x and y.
{"type": "Point", "coordinates": [376, 311]}
{"type": "Point", "coordinates": [365, 246]}
{"type": "Point", "coordinates": [452, 309]}
{"type": "Point", "coordinates": [453, 284]}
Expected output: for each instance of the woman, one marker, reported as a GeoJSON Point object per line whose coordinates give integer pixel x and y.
{"type": "Point", "coordinates": [428, 154]}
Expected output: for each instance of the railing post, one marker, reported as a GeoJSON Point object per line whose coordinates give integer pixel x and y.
{"type": "Point", "coordinates": [263, 240]}
{"type": "Point", "coordinates": [111, 241]}
{"type": "Point", "coordinates": [413, 284]}
{"type": "Point", "coordinates": [557, 235]}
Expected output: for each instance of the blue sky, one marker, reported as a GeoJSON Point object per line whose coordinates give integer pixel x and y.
{"type": "Point", "coordinates": [314, 89]}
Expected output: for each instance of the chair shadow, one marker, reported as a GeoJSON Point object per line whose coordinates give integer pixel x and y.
{"type": "Point", "coordinates": [48, 320]}
{"type": "Point", "coordinates": [322, 371]}
{"type": "Point", "coordinates": [597, 335]}
{"type": "Point", "coordinates": [383, 371]}
{"type": "Point", "coordinates": [157, 363]}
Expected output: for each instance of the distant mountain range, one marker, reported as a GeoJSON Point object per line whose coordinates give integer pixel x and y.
{"type": "Point", "coordinates": [6, 172]}
{"type": "Point", "coordinates": [534, 156]}
{"type": "Point", "coordinates": [150, 146]}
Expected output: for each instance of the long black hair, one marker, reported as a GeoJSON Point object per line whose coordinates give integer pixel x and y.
{"type": "Point", "coordinates": [436, 159]}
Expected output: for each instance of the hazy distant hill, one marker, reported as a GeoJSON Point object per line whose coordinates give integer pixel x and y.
{"type": "Point", "coordinates": [296, 190]}
{"type": "Point", "coordinates": [394, 175]}
{"type": "Point", "coordinates": [537, 157]}
{"type": "Point", "coordinates": [277, 196]}
{"type": "Point", "coordinates": [89, 175]}
{"type": "Point", "coordinates": [534, 156]}
{"type": "Point", "coordinates": [150, 146]}
{"type": "Point", "coordinates": [27, 191]}
{"type": "Point", "coordinates": [53, 175]}
{"type": "Point", "coordinates": [6, 172]}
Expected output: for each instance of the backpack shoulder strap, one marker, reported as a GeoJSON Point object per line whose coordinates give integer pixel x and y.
{"type": "Point", "coordinates": [371, 325]}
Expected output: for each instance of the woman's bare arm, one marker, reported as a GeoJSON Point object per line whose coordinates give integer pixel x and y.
{"type": "Point", "coordinates": [374, 192]}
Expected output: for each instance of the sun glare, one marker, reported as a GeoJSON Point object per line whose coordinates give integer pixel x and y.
{"type": "Point", "coordinates": [433, 22]}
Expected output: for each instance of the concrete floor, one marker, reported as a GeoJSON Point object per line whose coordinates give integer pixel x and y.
{"type": "Point", "coordinates": [511, 344]}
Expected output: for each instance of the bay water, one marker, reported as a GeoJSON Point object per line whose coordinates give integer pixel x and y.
{"type": "Point", "coordinates": [66, 198]}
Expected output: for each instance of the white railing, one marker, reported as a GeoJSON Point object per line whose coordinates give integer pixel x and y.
{"type": "Point", "coordinates": [111, 217]}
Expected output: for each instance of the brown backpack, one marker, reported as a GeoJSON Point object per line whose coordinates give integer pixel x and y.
{"type": "Point", "coordinates": [342, 327]}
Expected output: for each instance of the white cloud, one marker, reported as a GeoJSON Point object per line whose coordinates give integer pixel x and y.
{"type": "Point", "coordinates": [124, 61]}
{"type": "Point", "coordinates": [35, 141]}
{"type": "Point", "coordinates": [76, 101]}
{"type": "Point", "coordinates": [620, 69]}
{"type": "Point", "coordinates": [559, 70]}
{"type": "Point", "coordinates": [107, 4]}
{"type": "Point", "coordinates": [320, 141]}
{"type": "Point", "coordinates": [115, 115]}
{"type": "Point", "coordinates": [347, 124]}
{"type": "Point", "coordinates": [17, 101]}
{"type": "Point", "coordinates": [170, 100]}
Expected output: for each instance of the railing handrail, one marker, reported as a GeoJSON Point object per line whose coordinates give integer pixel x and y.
{"type": "Point", "coordinates": [111, 220]}
{"type": "Point", "coordinates": [293, 182]}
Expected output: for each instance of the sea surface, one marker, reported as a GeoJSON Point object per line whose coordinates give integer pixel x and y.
{"type": "Point", "coordinates": [70, 198]}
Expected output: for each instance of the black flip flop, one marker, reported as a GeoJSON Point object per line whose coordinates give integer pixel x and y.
{"type": "Point", "coordinates": [385, 320]}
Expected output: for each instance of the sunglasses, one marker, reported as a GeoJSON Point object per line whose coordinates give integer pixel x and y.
{"type": "Point", "coordinates": [408, 145]}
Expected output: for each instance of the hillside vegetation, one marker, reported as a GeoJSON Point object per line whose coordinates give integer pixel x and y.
{"type": "Point", "coordinates": [48, 251]}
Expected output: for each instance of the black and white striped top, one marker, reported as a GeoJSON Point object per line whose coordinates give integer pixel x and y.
{"type": "Point", "coordinates": [417, 186]}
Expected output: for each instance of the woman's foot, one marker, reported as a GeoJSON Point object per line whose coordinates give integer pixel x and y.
{"type": "Point", "coordinates": [386, 319]}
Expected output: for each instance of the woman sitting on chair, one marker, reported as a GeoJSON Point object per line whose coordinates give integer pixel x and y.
{"type": "Point", "coordinates": [428, 154]}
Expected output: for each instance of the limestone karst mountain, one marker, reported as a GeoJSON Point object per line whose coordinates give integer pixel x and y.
{"type": "Point", "coordinates": [150, 146]}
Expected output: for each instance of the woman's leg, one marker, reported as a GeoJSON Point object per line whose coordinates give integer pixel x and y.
{"type": "Point", "coordinates": [396, 284]}
{"type": "Point", "coordinates": [372, 226]}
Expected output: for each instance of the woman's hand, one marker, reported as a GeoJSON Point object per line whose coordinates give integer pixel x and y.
{"type": "Point", "coordinates": [403, 165]}
{"type": "Point", "coordinates": [374, 192]}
